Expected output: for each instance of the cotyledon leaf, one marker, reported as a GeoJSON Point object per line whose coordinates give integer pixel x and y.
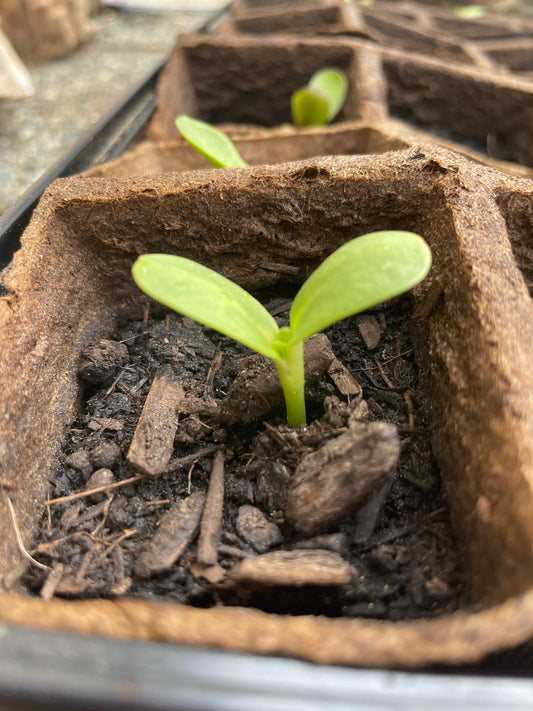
{"type": "Point", "coordinates": [362, 273]}
{"type": "Point", "coordinates": [206, 296]}
{"type": "Point", "coordinates": [210, 142]}
{"type": "Point", "coordinates": [309, 108]}
{"type": "Point", "coordinates": [334, 85]}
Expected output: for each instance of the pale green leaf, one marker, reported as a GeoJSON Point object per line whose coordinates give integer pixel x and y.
{"type": "Point", "coordinates": [362, 273]}
{"type": "Point", "coordinates": [333, 84]}
{"type": "Point", "coordinates": [205, 296]}
{"type": "Point", "coordinates": [309, 108]}
{"type": "Point", "coordinates": [210, 142]}
{"type": "Point", "coordinates": [469, 12]}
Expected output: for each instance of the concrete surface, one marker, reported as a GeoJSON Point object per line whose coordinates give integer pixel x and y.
{"type": "Point", "coordinates": [73, 92]}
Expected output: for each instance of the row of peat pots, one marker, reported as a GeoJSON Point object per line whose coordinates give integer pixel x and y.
{"type": "Point", "coordinates": [442, 547]}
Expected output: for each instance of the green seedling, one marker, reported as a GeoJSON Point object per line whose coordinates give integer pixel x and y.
{"type": "Point", "coordinates": [469, 12]}
{"type": "Point", "coordinates": [210, 142]}
{"type": "Point", "coordinates": [321, 100]}
{"type": "Point", "coordinates": [363, 272]}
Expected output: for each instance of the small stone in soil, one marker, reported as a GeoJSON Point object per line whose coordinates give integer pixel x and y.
{"type": "Point", "coordinates": [105, 455]}
{"type": "Point", "coordinates": [253, 526]}
{"type": "Point", "coordinates": [293, 569]}
{"type": "Point", "coordinates": [100, 362]}
{"type": "Point", "coordinates": [101, 477]}
{"type": "Point", "coordinates": [342, 476]}
{"type": "Point", "coordinates": [177, 529]}
{"type": "Point", "coordinates": [80, 461]}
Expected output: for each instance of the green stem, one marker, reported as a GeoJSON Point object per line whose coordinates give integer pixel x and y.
{"type": "Point", "coordinates": [291, 374]}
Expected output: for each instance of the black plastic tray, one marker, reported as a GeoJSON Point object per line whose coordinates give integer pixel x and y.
{"type": "Point", "coordinates": [45, 670]}
{"type": "Point", "coordinates": [65, 672]}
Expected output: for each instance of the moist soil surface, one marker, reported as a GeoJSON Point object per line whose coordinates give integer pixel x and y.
{"type": "Point", "coordinates": [213, 515]}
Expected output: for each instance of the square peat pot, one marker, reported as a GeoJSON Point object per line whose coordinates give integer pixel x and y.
{"type": "Point", "coordinates": [337, 17]}
{"type": "Point", "coordinates": [481, 109]}
{"type": "Point", "coordinates": [70, 283]}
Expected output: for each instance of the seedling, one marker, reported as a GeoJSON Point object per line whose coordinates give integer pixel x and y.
{"type": "Point", "coordinates": [469, 12]}
{"type": "Point", "coordinates": [362, 273]}
{"type": "Point", "coordinates": [321, 100]}
{"type": "Point", "coordinates": [210, 142]}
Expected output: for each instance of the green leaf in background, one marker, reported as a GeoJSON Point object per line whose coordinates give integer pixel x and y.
{"type": "Point", "coordinates": [321, 100]}
{"type": "Point", "coordinates": [309, 108]}
{"type": "Point", "coordinates": [469, 12]}
{"type": "Point", "coordinates": [206, 296]}
{"type": "Point", "coordinates": [334, 86]}
{"type": "Point", "coordinates": [210, 142]}
{"type": "Point", "coordinates": [362, 273]}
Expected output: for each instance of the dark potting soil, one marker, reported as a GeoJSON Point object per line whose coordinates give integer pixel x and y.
{"type": "Point", "coordinates": [390, 554]}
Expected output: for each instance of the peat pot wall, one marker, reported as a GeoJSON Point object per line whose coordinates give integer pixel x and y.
{"type": "Point", "coordinates": [260, 146]}
{"type": "Point", "coordinates": [477, 108]}
{"type": "Point", "coordinates": [492, 40]}
{"type": "Point", "coordinates": [339, 18]}
{"type": "Point", "coordinates": [70, 282]}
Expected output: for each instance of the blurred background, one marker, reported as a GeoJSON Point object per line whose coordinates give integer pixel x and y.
{"type": "Point", "coordinates": [65, 63]}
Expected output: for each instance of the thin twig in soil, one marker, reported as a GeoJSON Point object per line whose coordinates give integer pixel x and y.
{"type": "Point", "coordinates": [211, 523]}
{"type": "Point", "coordinates": [209, 389]}
{"type": "Point", "coordinates": [7, 485]}
{"type": "Point", "coordinates": [233, 551]}
{"type": "Point", "coordinates": [386, 379]}
{"type": "Point", "coordinates": [410, 410]}
{"type": "Point", "coordinates": [115, 383]}
{"type": "Point", "coordinates": [135, 389]}
{"type": "Point", "coordinates": [281, 309]}
{"type": "Point", "coordinates": [43, 548]}
{"type": "Point", "coordinates": [173, 467]}
{"type": "Point", "coordinates": [128, 533]}
{"type": "Point", "coordinates": [146, 316]}
{"type": "Point", "coordinates": [97, 490]}
{"type": "Point", "coordinates": [189, 477]}
{"type": "Point", "coordinates": [176, 464]}
{"type": "Point", "coordinates": [107, 504]}
{"type": "Point", "coordinates": [19, 537]}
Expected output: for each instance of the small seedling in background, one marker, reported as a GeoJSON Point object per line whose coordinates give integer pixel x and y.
{"type": "Point", "coordinates": [469, 12]}
{"type": "Point", "coordinates": [363, 272]}
{"type": "Point", "coordinates": [321, 100]}
{"type": "Point", "coordinates": [214, 145]}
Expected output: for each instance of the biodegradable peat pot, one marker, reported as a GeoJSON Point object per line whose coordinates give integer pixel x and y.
{"type": "Point", "coordinates": [474, 323]}
{"type": "Point", "coordinates": [339, 18]}
{"type": "Point", "coordinates": [419, 15]}
{"type": "Point", "coordinates": [461, 103]}
{"type": "Point", "coordinates": [277, 145]}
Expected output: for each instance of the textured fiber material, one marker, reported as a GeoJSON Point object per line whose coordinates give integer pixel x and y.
{"type": "Point", "coordinates": [496, 41]}
{"type": "Point", "coordinates": [478, 108]}
{"type": "Point", "coordinates": [473, 326]}
{"type": "Point", "coordinates": [260, 146]}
